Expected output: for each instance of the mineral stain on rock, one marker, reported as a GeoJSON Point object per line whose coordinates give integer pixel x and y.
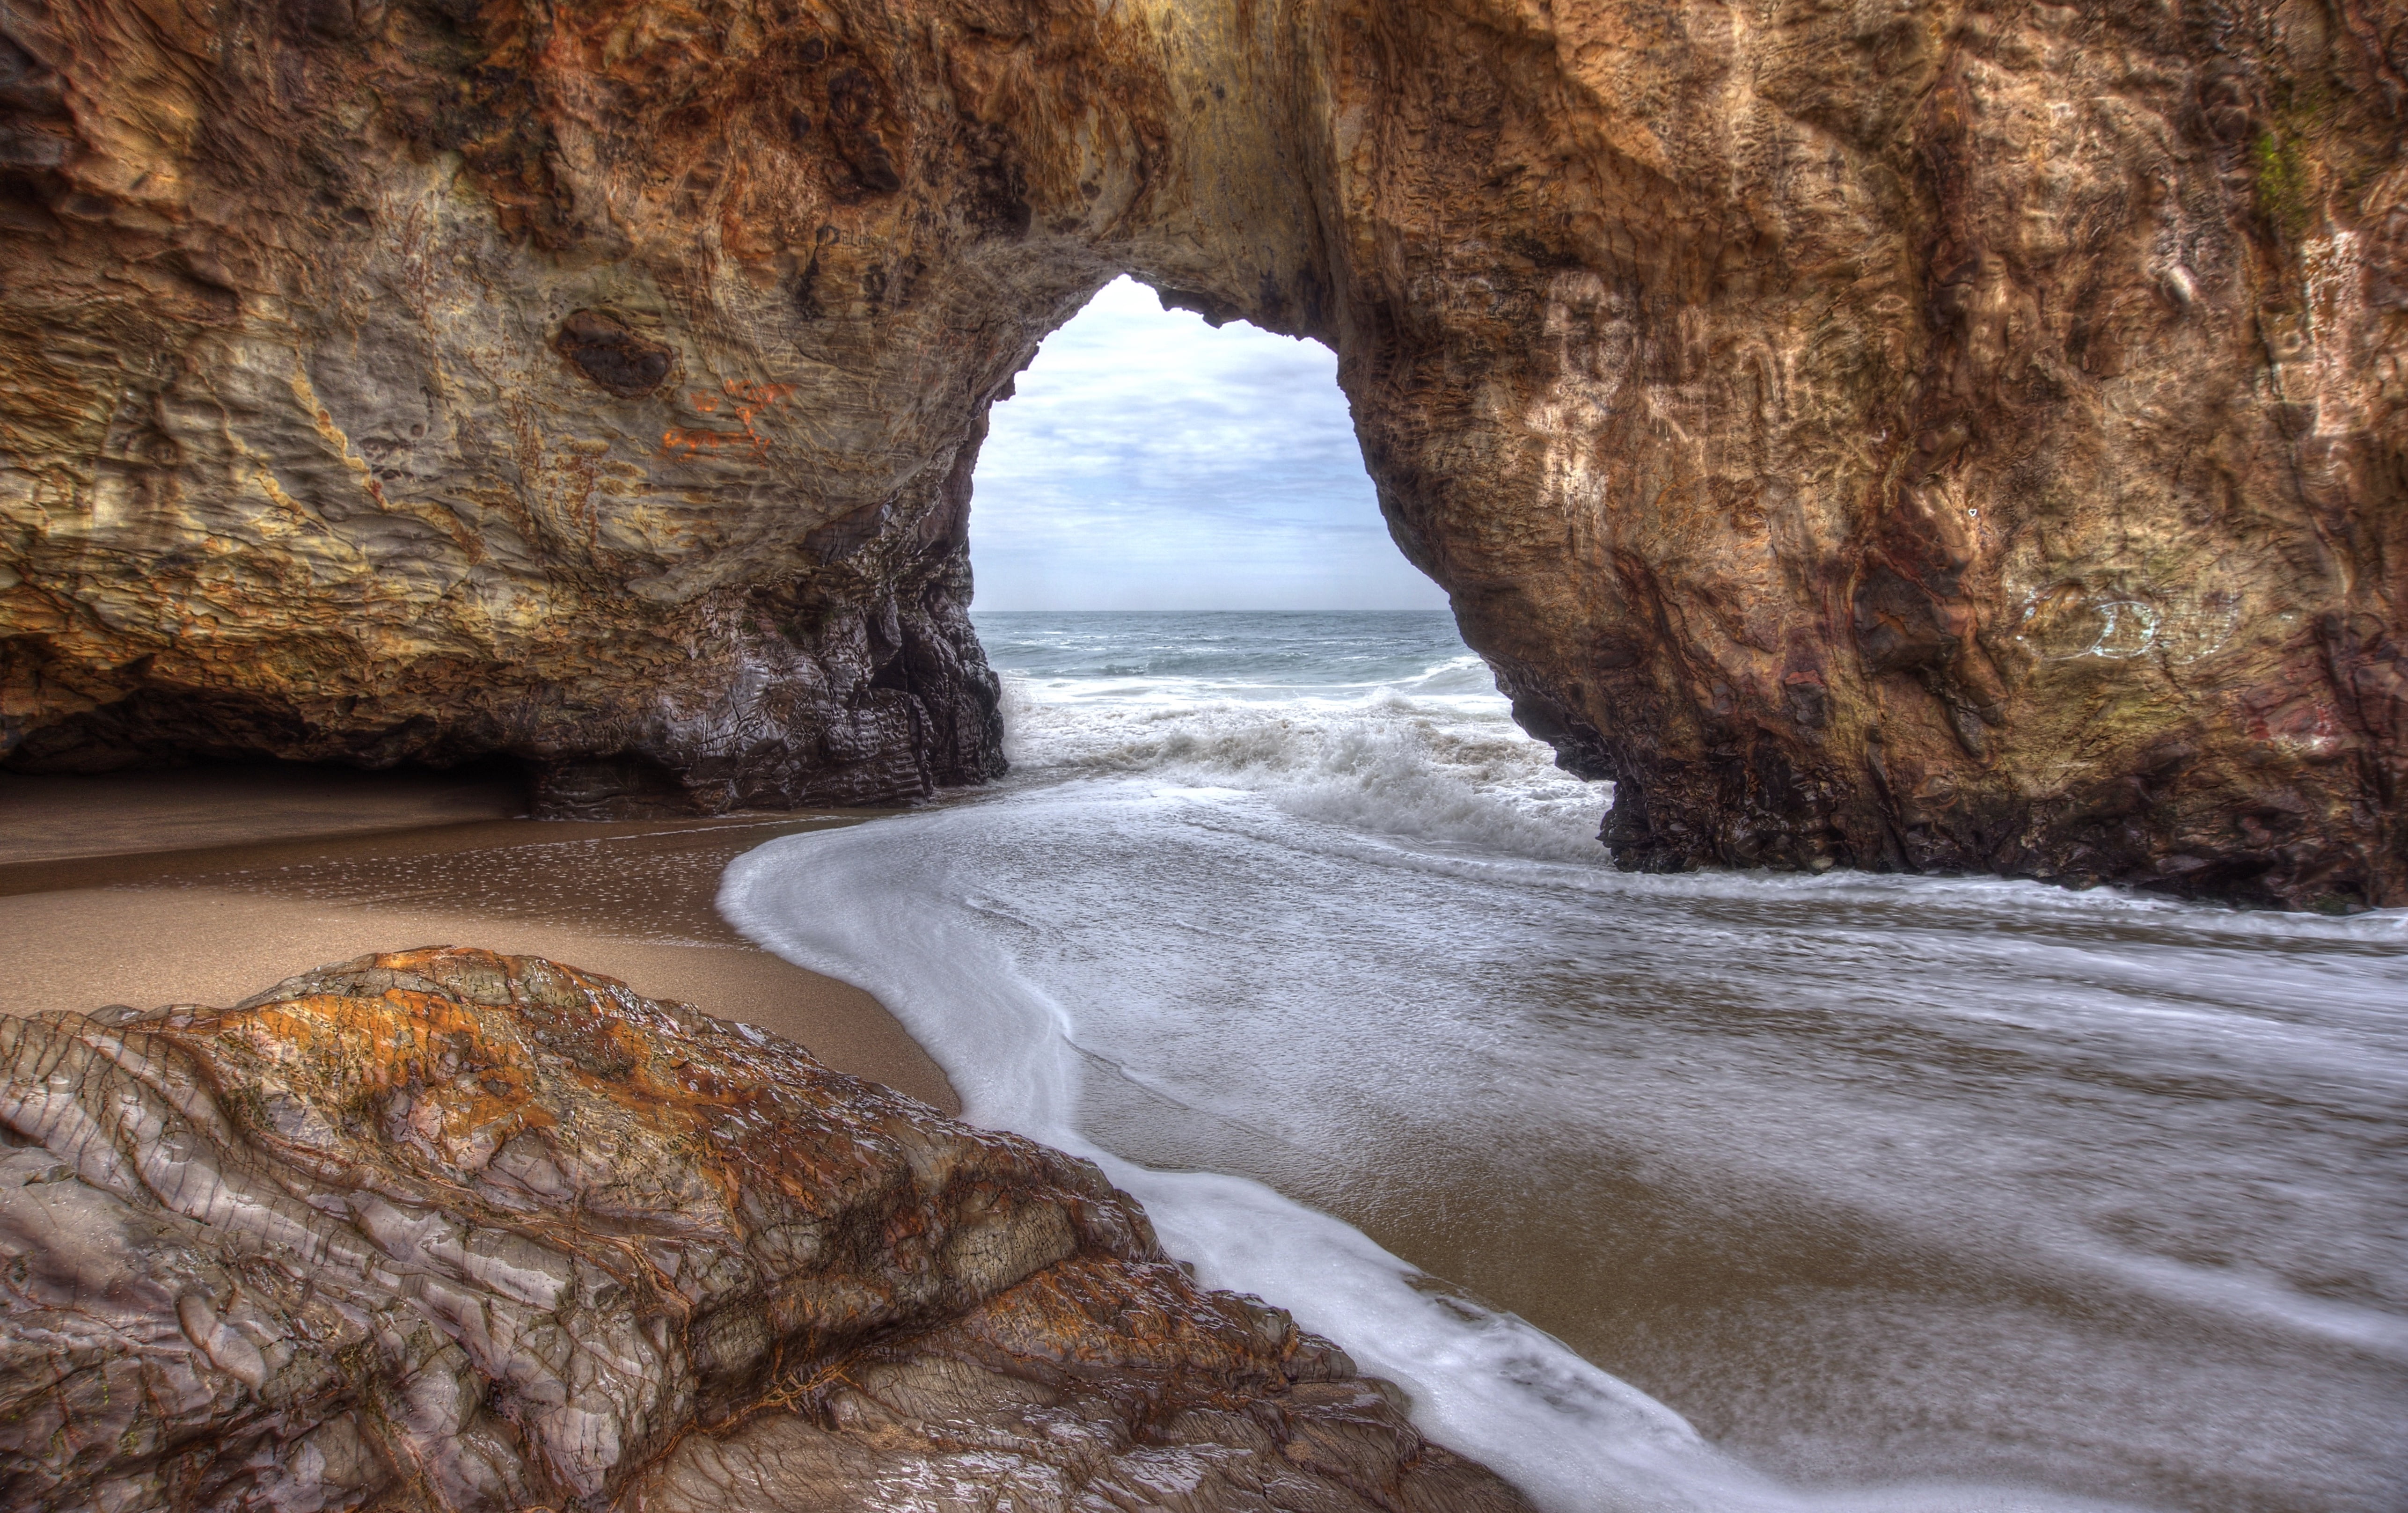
{"type": "Point", "coordinates": [447, 1230]}
{"type": "Point", "coordinates": [1779, 395]}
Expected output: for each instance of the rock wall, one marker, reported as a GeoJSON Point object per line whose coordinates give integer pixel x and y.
{"type": "Point", "coordinates": [1928, 435]}
{"type": "Point", "coordinates": [452, 1231]}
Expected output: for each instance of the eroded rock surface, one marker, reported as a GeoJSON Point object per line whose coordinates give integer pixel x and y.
{"type": "Point", "coordinates": [447, 1230]}
{"type": "Point", "coordinates": [1928, 434]}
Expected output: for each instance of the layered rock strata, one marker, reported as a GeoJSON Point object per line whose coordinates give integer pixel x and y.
{"type": "Point", "coordinates": [447, 1229]}
{"type": "Point", "coordinates": [1930, 436]}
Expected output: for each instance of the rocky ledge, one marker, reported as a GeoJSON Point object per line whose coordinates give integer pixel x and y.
{"type": "Point", "coordinates": [447, 1230]}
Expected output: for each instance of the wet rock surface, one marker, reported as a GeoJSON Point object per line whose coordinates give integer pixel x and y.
{"type": "Point", "coordinates": [1940, 436]}
{"type": "Point", "coordinates": [447, 1230]}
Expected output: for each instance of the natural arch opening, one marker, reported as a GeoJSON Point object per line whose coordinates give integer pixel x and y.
{"type": "Point", "coordinates": [1182, 576]}
{"type": "Point", "coordinates": [1147, 460]}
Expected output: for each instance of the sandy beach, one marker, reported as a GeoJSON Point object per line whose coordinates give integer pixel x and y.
{"type": "Point", "coordinates": [207, 886]}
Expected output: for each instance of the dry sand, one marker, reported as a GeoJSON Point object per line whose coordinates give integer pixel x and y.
{"type": "Point", "coordinates": [215, 925]}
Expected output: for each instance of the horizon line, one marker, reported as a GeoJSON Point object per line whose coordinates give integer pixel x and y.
{"type": "Point", "coordinates": [1398, 610]}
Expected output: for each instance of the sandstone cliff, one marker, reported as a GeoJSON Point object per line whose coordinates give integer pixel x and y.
{"type": "Point", "coordinates": [452, 1231]}
{"type": "Point", "coordinates": [1935, 435]}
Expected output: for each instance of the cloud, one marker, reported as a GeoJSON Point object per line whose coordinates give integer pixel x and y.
{"type": "Point", "coordinates": [1149, 462]}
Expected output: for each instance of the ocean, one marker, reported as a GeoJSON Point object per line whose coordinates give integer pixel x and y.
{"type": "Point", "coordinates": [1724, 1190]}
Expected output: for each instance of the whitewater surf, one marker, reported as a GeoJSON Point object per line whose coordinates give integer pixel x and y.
{"type": "Point", "coordinates": [1723, 1190]}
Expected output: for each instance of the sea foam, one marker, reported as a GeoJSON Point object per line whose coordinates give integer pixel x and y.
{"type": "Point", "coordinates": [1324, 917]}
{"type": "Point", "coordinates": [909, 909]}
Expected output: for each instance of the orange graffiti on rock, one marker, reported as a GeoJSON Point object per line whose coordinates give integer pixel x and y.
{"type": "Point", "coordinates": [677, 441]}
{"type": "Point", "coordinates": [744, 401]}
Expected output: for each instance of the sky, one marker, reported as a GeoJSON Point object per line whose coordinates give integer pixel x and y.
{"type": "Point", "coordinates": [1149, 462]}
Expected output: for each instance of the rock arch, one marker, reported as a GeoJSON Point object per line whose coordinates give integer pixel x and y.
{"type": "Point", "coordinates": [1927, 437]}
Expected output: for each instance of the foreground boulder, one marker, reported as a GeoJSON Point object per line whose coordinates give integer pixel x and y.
{"type": "Point", "coordinates": [447, 1230]}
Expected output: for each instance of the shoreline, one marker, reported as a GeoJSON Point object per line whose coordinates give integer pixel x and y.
{"type": "Point", "coordinates": [268, 895]}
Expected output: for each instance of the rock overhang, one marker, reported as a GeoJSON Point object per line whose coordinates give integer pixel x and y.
{"type": "Point", "coordinates": [1963, 442]}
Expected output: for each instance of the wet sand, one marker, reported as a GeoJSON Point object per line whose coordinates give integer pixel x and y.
{"type": "Point", "coordinates": [254, 901]}
{"type": "Point", "coordinates": [56, 819]}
